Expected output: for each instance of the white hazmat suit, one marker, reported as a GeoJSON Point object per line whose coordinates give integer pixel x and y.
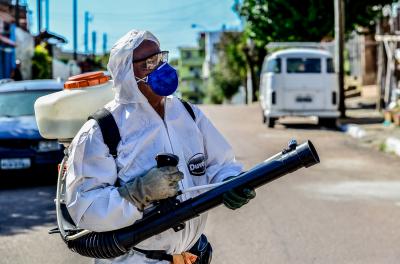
{"type": "Point", "coordinates": [94, 202]}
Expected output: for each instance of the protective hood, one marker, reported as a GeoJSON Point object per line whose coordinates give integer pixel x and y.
{"type": "Point", "coordinates": [121, 68]}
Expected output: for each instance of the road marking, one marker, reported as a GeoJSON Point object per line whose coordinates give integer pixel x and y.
{"type": "Point", "coordinates": [351, 190]}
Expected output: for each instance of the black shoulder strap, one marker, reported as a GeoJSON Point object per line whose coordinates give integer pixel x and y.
{"type": "Point", "coordinates": [188, 108]}
{"type": "Point", "coordinates": [155, 254]}
{"type": "Point", "coordinates": [108, 128]}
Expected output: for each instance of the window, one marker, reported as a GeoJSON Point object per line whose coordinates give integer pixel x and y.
{"type": "Point", "coordinates": [187, 55]}
{"type": "Point", "coordinates": [301, 65]}
{"type": "Point", "coordinates": [272, 66]}
{"type": "Point", "coordinates": [195, 71]}
{"type": "Point", "coordinates": [329, 66]}
{"type": "Point", "coordinates": [19, 103]}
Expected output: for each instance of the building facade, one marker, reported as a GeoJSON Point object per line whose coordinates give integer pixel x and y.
{"type": "Point", "coordinates": [212, 38]}
{"type": "Point", "coordinates": [190, 65]}
{"type": "Point", "coordinates": [8, 35]}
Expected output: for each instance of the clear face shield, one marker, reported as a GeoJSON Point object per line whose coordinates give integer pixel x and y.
{"type": "Point", "coordinates": [162, 77]}
{"type": "Point", "coordinates": [151, 63]}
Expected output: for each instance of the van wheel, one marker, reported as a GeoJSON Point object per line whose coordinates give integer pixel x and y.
{"type": "Point", "coordinates": [270, 122]}
{"type": "Point", "coordinates": [327, 122]}
{"type": "Point", "coordinates": [264, 118]}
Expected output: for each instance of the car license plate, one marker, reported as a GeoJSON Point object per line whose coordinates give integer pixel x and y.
{"type": "Point", "coordinates": [304, 99]}
{"type": "Point", "coordinates": [13, 164]}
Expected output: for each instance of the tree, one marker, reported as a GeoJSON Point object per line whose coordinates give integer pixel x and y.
{"type": "Point", "coordinates": [230, 72]}
{"type": "Point", "coordinates": [307, 20]}
{"type": "Point", "coordinates": [41, 63]}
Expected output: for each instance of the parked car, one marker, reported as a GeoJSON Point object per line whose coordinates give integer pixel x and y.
{"type": "Point", "coordinates": [22, 149]}
{"type": "Point", "coordinates": [299, 82]}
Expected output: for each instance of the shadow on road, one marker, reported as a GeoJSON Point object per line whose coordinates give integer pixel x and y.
{"type": "Point", "coordinates": [25, 208]}
{"type": "Point", "coordinates": [306, 126]}
{"type": "Point", "coordinates": [362, 120]}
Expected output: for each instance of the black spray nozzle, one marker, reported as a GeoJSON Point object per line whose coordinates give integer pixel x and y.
{"type": "Point", "coordinates": [292, 144]}
{"type": "Point", "coordinates": [166, 159]}
{"type": "Point", "coordinates": [116, 243]}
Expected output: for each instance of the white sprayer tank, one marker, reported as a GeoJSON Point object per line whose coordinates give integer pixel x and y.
{"type": "Point", "coordinates": [60, 115]}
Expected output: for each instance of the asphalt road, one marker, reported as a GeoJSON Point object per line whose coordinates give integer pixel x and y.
{"type": "Point", "coordinates": [344, 210]}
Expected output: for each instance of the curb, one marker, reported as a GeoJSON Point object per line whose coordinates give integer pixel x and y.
{"type": "Point", "coordinates": [353, 130]}
{"type": "Point", "coordinates": [393, 145]}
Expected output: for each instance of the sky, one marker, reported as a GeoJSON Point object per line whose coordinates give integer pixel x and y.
{"type": "Point", "coordinates": [170, 21]}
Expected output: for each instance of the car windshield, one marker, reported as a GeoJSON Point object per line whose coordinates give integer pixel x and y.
{"type": "Point", "coordinates": [302, 65]}
{"type": "Point", "coordinates": [19, 103]}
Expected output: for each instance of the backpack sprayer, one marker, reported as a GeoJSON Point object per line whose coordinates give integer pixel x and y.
{"type": "Point", "coordinates": [173, 214]}
{"type": "Point", "coordinates": [168, 213]}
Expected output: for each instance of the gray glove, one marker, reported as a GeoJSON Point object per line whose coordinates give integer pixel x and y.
{"type": "Point", "coordinates": [157, 184]}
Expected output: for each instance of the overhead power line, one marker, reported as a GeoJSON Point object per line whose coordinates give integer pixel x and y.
{"type": "Point", "coordinates": [169, 10]}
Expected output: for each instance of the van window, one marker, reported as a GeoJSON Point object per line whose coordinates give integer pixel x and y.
{"type": "Point", "coordinates": [301, 65]}
{"type": "Point", "coordinates": [272, 66]}
{"type": "Point", "coordinates": [329, 65]}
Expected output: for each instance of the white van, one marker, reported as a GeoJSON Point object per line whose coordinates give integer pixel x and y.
{"type": "Point", "coordinates": [299, 82]}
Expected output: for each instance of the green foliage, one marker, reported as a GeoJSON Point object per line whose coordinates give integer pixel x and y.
{"type": "Point", "coordinates": [382, 147]}
{"type": "Point", "coordinates": [174, 62]}
{"type": "Point", "coordinates": [214, 92]}
{"type": "Point", "coordinates": [64, 60]}
{"type": "Point", "coordinates": [102, 60]}
{"type": "Point", "coordinates": [225, 82]}
{"type": "Point", "coordinates": [41, 63]}
{"type": "Point", "coordinates": [287, 20]}
{"type": "Point", "coordinates": [363, 13]}
{"type": "Point", "coordinates": [230, 72]}
{"type": "Point", "coordinates": [307, 20]}
{"type": "Point", "coordinates": [293, 20]}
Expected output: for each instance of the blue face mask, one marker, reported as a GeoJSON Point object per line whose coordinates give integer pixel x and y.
{"type": "Point", "coordinates": [163, 81]}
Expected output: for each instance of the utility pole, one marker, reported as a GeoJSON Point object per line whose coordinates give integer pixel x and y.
{"type": "Point", "coordinates": [379, 80]}
{"type": "Point", "coordinates": [39, 10]}
{"type": "Point", "coordinates": [339, 48]}
{"type": "Point", "coordinates": [17, 13]}
{"type": "Point", "coordinates": [47, 15]}
{"type": "Point", "coordinates": [88, 18]}
{"type": "Point", "coordinates": [104, 43]}
{"type": "Point", "coordinates": [94, 39]}
{"type": "Point", "coordinates": [75, 27]}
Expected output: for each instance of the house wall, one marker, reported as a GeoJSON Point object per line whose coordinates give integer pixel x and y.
{"type": "Point", "coordinates": [362, 58]}
{"type": "Point", "coordinates": [24, 51]}
{"type": "Point", "coordinates": [64, 70]}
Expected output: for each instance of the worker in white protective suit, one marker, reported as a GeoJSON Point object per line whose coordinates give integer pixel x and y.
{"type": "Point", "coordinates": [150, 121]}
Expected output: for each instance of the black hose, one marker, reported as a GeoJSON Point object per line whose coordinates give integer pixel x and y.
{"type": "Point", "coordinates": [116, 243]}
{"type": "Point", "coordinates": [97, 245]}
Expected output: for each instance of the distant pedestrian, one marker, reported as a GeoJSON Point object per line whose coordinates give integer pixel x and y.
{"type": "Point", "coordinates": [16, 74]}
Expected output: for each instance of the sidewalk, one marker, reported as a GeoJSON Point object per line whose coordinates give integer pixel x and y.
{"type": "Point", "coordinates": [368, 127]}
